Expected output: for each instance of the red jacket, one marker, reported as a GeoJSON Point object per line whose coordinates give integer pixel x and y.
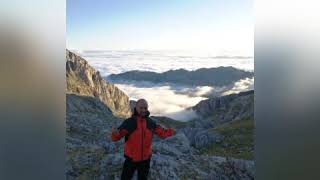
{"type": "Point", "coordinates": [138, 132]}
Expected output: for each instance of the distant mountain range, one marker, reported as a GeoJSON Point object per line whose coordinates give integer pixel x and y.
{"type": "Point", "coordinates": [220, 76]}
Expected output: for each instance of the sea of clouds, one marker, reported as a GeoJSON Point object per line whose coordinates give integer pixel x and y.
{"type": "Point", "coordinates": [114, 62]}
{"type": "Point", "coordinates": [167, 99]}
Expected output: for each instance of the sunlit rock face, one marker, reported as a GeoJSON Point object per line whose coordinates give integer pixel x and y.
{"type": "Point", "coordinates": [82, 79]}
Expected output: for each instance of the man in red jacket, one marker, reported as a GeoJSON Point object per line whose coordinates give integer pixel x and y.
{"type": "Point", "coordinates": [138, 131]}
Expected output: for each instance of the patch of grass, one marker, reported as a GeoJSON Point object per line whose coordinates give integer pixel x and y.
{"type": "Point", "coordinates": [238, 140]}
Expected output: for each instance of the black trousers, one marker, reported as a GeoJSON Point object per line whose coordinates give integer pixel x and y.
{"type": "Point", "coordinates": [129, 167]}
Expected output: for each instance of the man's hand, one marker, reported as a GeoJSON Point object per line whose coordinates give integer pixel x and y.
{"type": "Point", "coordinates": [114, 130]}
{"type": "Point", "coordinates": [174, 132]}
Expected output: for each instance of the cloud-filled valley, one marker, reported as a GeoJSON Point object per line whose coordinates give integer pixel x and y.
{"type": "Point", "coordinates": [167, 99]}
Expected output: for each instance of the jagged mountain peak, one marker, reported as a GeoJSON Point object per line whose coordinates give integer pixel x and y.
{"type": "Point", "coordinates": [82, 79]}
{"type": "Point", "coordinates": [227, 108]}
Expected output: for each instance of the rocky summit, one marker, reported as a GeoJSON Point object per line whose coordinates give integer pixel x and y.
{"type": "Point", "coordinates": [94, 106]}
{"type": "Point", "coordinates": [220, 110]}
{"type": "Point", "coordinates": [84, 80]}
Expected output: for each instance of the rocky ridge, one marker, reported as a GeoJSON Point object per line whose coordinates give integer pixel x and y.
{"type": "Point", "coordinates": [219, 76]}
{"type": "Point", "coordinates": [84, 80]}
{"type": "Point", "coordinates": [224, 109]}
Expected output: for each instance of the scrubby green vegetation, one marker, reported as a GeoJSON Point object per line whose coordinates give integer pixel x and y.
{"type": "Point", "coordinates": [238, 140]}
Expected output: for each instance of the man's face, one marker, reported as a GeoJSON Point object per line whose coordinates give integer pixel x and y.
{"type": "Point", "coordinates": [142, 108]}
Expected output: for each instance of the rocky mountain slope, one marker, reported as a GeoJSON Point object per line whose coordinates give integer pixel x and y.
{"type": "Point", "coordinates": [224, 109]}
{"type": "Point", "coordinates": [225, 126]}
{"type": "Point", "coordinates": [82, 79]}
{"type": "Point", "coordinates": [238, 140]}
{"type": "Point", "coordinates": [220, 76]}
{"type": "Point", "coordinates": [91, 154]}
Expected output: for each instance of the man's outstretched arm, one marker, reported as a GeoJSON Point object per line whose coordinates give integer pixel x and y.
{"type": "Point", "coordinates": [117, 135]}
{"type": "Point", "coordinates": [164, 133]}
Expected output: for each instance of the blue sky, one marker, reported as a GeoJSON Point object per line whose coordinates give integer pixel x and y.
{"type": "Point", "coordinates": [193, 25]}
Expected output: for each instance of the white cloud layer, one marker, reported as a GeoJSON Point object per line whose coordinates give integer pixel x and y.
{"type": "Point", "coordinates": [163, 101]}
{"type": "Point", "coordinates": [114, 62]}
{"type": "Point", "coordinates": [167, 99]}
{"type": "Point", "coordinates": [242, 85]}
{"type": "Point", "coordinates": [173, 100]}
